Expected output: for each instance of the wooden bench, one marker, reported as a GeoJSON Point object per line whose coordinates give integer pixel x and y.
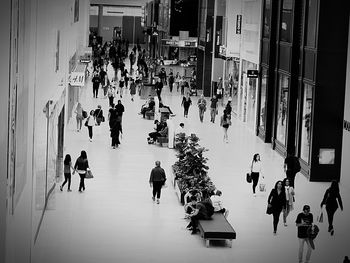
{"type": "Point", "coordinates": [149, 115]}
{"type": "Point", "coordinates": [163, 141]}
{"type": "Point", "coordinates": [217, 228]}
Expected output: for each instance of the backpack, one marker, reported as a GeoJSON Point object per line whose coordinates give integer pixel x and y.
{"type": "Point", "coordinates": [210, 208]}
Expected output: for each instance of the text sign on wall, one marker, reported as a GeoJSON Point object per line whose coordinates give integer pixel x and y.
{"type": "Point", "coordinates": [239, 24]}
{"type": "Point", "coordinates": [77, 79]}
{"type": "Point", "coordinates": [252, 73]}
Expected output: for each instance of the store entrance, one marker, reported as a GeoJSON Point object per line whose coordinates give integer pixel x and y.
{"type": "Point", "coordinates": [60, 144]}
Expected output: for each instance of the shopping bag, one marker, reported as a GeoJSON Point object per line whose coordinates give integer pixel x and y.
{"type": "Point", "coordinates": [88, 174]}
{"type": "Point", "coordinates": [262, 187]}
{"type": "Point", "coordinates": [269, 210]}
{"type": "Point", "coordinates": [320, 217]}
{"type": "Point", "coordinates": [249, 178]}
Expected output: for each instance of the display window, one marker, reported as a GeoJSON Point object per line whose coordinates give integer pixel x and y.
{"type": "Point", "coordinates": [267, 18]}
{"type": "Point", "coordinates": [282, 100]}
{"type": "Point", "coordinates": [262, 115]}
{"type": "Point", "coordinates": [286, 21]}
{"type": "Point", "coordinates": [306, 123]}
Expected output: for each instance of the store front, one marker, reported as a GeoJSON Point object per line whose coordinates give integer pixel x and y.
{"type": "Point", "coordinates": [247, 94]}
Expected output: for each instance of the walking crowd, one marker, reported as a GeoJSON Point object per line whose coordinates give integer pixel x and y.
{"type": "Point", "coordinates": [109, 74]}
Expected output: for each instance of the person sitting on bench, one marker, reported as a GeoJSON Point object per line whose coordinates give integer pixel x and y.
{"type": "Point", "coordinates": [148, 106]}
{"type": "Point", "coordinates": [217, 203]}
{"type": "Point", "coordinates": [161, 105]}
{"type": "Point", "coordinates": [161, 131]}
{"type": "Point", "coordinates": [200, 210]}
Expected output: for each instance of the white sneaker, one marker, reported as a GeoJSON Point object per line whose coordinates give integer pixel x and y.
{"type": "Point", "coordinates": [90, 140]}
{"type": "Point", "coordinates": [254, 195]}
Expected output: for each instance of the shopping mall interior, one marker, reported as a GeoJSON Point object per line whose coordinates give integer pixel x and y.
{"type": "Point", "coordinates": [277, 72]}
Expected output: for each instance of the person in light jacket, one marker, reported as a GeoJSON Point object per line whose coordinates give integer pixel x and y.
{"type": "Point", "coordinates": [255, 169]}
{"type": "Point", "coordinates": [90, 124]}
{"type": "Point", "coordinates": [289, 199]}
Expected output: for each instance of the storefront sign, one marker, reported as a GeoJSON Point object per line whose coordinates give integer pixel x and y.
{"type": "Point", "coordinates": [77, 79]}
{"type": "Point", "coordinates": [84, 60]}
{"type": "Point", "coordinates": [190, 43]}
{"type": "Point", "coordinates": [239, 24]}
{"type": "Point", "coordinates": [252, 73]}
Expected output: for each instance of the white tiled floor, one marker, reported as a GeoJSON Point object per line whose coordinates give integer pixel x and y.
{"type": "Point", "coordinates": [115, 220]}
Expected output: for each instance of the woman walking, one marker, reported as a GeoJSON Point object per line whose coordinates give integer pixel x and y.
{"type": "Point", "coordinates": [116, 130]}
{"type": "Point", "coordinates": [202, 106]}
{"type": "Point", "coordinates": [90, 122]}
{"type": "Point", "coordinates": [79, 116]}
{"type": "Point", "coordinates": [225, 122]}
{"type": "Point", "coordinates": [81, 166]}
{"type": "Point", "coordinates": [132, 89]}
{"type": "Point", "coordinates": [177, 81]}
{"type": "Point", "coordinates": [98, 114]}
{"type": "Point", "coordinates": [331, 199]}
{"type": "Point", "coordinates": [255, 169]}
{"type": "Point", "coordinates": [67, 165]}
{"type": "Point", "coordinates": [289, 199]}
{"type": "Point", "coordinates": [277, 202]}
{"type": "Point", "coordinates": [186, 103]}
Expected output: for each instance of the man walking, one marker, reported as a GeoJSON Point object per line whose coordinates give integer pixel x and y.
{"type": "Point", "coordinates": [157, 180]}
{"type": "Point", "coordinates": [304, 221]}
{"type": "Point", "coordinates": [213, 108]}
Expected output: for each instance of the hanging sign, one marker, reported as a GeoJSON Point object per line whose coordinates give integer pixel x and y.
{"type": "Point", "coordinates": [77, 79]}
{"type": "Point", "coordinates": [252, 73]}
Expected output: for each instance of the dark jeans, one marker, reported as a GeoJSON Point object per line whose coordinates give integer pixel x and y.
{"type": "Point", "coordinates": [95, 91]}
{"type": "Point", "coordinates": [194, 222]}
{"type": "Point", "coordinates": [171, 86]}
{"type": "Point", "coordinates": [154, 135]}
{"type": "Point", "coordinates": [330, 215]}
{"type": "Point", "coordinates": [82, 184]}
{"type": "Point", "coordinates": [255, 178]}
{"type": "Point", "coordinates": [111, 100]}
{"type": "Point", "coordinates": [90, 131]}
{"type": "Point", "coordinates": [67, 178]}
{"type": "Point", "coordinates": [157, 187]}
{"type": "Point", "coordinates": [115, 140]}
{"type": "Point", "coordinates": [186, 111]}
{"type": "Point", "coordinates": [291, 176]}
{"type": "Point", "coordinates": [276, 218]}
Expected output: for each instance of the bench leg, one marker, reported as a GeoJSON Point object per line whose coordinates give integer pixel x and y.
{"type": "Point", "coordinates": [230, 243]}
{"type": "Point", "coordinates": [207, 242]}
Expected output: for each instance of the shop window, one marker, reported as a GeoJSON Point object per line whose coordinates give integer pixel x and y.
{"type": "Point", "coordinates": [306, 123]}
{"type": "Point", "coordinates": [262, 115]}
{"type": "Point", "coordinates": [283, 87]}
{"type": "Point", "coordinates": [267, 18]}
{"type": "Point", "coordinates": [286, 21]}
{"type": "Point", "coordinates": [311, 23]}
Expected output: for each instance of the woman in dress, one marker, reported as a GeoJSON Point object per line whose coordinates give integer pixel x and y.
{"type": "Point", "coordinates": [289, 199]}
{"type": "Point", "coordinates": [331, 199]}
{"type": "Point", "coordinates": [277, 202]}
{"type": "Point", "coordinates": [225, 122]}
{"type": "Point", "coordinates": [81, 166]}
{"type": "Point", "coordinates": [132, 89]}
{"type": "Point", "coordinates": [255, 169]}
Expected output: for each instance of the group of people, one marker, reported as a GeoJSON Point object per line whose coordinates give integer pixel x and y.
{"type": "Point", "coordinates": [282, 197]}
{"type": "Point", "coordinates": [81, 166]}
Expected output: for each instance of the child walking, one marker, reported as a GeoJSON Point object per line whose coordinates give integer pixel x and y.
{"type": "Point", "coordinates": [67, 164]}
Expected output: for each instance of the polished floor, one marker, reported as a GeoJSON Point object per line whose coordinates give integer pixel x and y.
{"type": "Point", "coordinates": [115, 220]}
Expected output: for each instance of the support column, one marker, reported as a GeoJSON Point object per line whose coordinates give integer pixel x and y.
{"type": "Point", "coordinates": [100, 20]}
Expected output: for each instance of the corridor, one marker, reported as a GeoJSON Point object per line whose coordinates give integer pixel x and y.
{"type": "Point", "coordinates": [115, 220]}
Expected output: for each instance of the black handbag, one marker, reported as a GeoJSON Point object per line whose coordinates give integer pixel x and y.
{"type": "Point", "coordinates": [269, 209]}
{"type": "Point", "coordinates": [249, 178]}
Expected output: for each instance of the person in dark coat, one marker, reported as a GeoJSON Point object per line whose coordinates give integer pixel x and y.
{"type": "Point", "coordinates": [291, 168]}
{"type": "Point", "coordinates": [186, 103]}
{"type": "Point", "coordinates": [277, 202]}
{"type": "Point", "coordinates": [116, 130]}
{"type": "Point", "coordinates": [157, 180]}
{"type": "Point", "coordinates": [81, 166]}
{"type": "Point", "coordinates": [95, 84]}
{"type": "Point", "coordinates": [331, 199]}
